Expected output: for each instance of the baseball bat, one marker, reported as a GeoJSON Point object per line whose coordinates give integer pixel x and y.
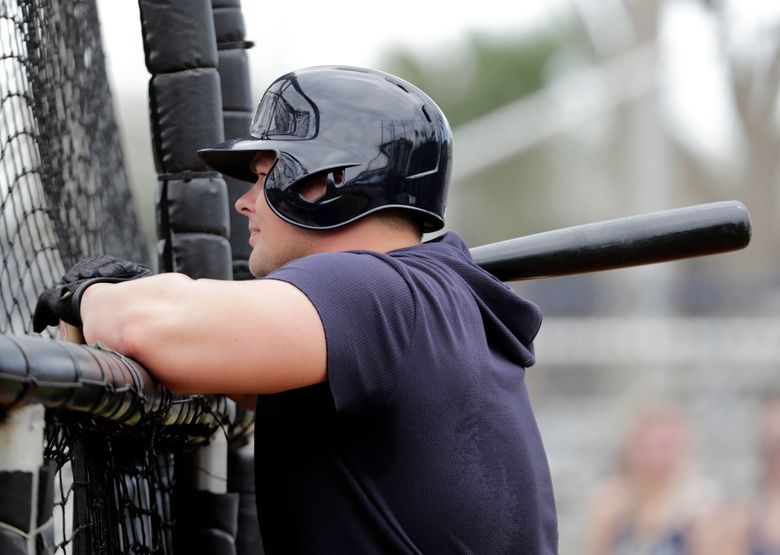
{"type": "Point", "coordinates": [645, 239]}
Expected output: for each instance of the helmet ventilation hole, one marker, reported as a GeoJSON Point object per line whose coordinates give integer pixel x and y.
{"type": "Point", "coordinates": [336, 178]}
{"type": "Point", "coordinates": [397, 84]}
{"type": "Point", "coordinates": [426, 115]}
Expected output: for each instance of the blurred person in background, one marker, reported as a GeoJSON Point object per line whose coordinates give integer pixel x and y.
{"type": "Point", "coordinates": [764, 530]}
{"type": "Point", "coordinates": [653, 505]}
{"type": "Point", "coordinates": [757, 527]}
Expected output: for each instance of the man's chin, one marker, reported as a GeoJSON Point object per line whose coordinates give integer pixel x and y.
{"type": "Point", "coordinates": [261, 266]}
{"type": "Point", "coordinates": [258, 267]}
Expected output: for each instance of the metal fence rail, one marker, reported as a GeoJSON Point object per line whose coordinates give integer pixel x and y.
{"type": "Point", "coordinates": [105, 384]}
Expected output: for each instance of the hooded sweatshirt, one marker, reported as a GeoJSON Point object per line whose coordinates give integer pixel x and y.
{"type": "Point", "coordinates": [422, 440]}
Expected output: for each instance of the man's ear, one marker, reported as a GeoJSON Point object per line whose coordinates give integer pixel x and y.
{"type": "Point", "coordinates": [313, 188]}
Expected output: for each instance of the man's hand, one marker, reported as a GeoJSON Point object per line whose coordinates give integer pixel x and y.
{"type": "Point", "coordinates": [63, 300]}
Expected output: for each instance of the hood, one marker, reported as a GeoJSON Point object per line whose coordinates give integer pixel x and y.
{"type": "Point", "coordinates": [511, 322]}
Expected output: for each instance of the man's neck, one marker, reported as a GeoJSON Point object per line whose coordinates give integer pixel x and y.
{"type": "Point", "coordinates": [369, 234]}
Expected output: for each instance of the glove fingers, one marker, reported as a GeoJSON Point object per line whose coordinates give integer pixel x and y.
{"type": "Point", "coordinates": [105, 267]}
{"type": "Point", "coordinates": [45, 314]}
{"type": "Point", "coordinates": [61, 302]}
{"type": "Point", "coordinates": [117, 268]}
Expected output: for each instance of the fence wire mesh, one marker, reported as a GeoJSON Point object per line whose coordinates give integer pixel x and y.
{"type": "Point", "coordinates": [113, 491]}
{"type": "Point", "coordinates": [64, 194]}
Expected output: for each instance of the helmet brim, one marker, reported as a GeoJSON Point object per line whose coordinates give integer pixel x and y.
{"type": "Point", "coordinates": [233, 158]}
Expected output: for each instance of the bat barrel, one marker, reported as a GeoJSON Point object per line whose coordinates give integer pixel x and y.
{"type": "Point", "coordinates": [645, 239]}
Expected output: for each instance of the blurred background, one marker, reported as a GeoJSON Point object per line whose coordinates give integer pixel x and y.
{"type": "Point", "coordinates": [567, 112]}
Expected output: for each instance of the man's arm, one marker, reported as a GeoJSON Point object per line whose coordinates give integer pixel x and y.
{"type": "Point", "coordinates": [207, 336]}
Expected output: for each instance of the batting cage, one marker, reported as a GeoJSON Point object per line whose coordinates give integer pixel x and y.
{"type": "Point", "coordinates": [95, 456]}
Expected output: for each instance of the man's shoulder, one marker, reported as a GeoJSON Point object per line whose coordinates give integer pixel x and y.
{"type": "Point", "coordinates": [354, 277]}
{"type": "Point", "coordinates": [338, 263]}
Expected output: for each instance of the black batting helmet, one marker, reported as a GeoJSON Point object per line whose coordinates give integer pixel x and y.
{"type": "Point", "coordinates": [391, 140]}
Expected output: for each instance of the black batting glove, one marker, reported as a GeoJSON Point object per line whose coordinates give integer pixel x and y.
{"type": "Point", "coordinates": [63, 300]}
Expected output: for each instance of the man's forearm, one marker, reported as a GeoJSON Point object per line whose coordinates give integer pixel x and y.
{"type": "Point", "coordinates": [100, 325]}
{"type": "Point", "coordinates": [210, 336]}
{"type": "Point", "coordinates": [110, 311]}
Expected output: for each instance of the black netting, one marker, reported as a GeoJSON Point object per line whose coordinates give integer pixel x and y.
{"type": "Point", "coordinates": [114, 437]}
{"type": "Point", "coordinates": [64, 196]}
{"type": "Point", "coordinates": [63, 189]}
{"type": "Point", "coordinates": [113, 491]}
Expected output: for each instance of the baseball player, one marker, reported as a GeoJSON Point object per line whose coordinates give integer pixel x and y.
{"type": "Point", "coordinates": [387, 374]}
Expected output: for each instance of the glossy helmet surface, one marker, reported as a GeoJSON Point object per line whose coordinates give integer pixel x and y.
{"type": "Point", "coordinates": [391, 140]}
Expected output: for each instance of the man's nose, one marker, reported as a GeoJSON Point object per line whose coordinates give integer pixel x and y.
{"type": "Point", "coordinates": [246, 203]}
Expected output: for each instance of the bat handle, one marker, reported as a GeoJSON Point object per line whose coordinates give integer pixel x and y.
{"type": "Point", "coordinates": [71, 333]}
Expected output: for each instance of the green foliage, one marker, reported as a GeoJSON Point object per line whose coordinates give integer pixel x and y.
{"type": "Point", "coordinates": [484, 73]}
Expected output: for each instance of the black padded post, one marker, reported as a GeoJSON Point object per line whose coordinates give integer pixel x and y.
{"type": "Point", "coordinates": [237, 110]}
{"type": "Point", "coordinates": [18, 531]}
{"type": "Point", "coordinates": [185, 106]}
{"type": "Point", "coordinates": [241, 480]}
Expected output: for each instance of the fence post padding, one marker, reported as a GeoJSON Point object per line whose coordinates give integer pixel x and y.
{"type": "Point", "coordinates": [197, 205]}
{"type": "Point", "coordinates": [186, 115]}
{"type": "Point", "coordinates": [236, 96]}
{"type": "Point", "coordinates": [15, 508]}
{"type": "Point", "coordinates": [237, 109]}
{"type": "Point", "coordinates": [26, 487]}
{"type": "Point", "coordinates": [175, 29]}
{"type": "Point", "coordinates": [201, 255]}
{"type": "Point", "coordinates": [185, 101]}
{"type": "Point", "coordinates": [241, 480]}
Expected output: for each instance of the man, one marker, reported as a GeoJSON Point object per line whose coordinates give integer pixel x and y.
{"type": "Point", "coordinates": [392, 415]}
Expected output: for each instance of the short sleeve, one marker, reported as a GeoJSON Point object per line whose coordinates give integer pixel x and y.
{"type": "Point", "coordinates": [367, 310]}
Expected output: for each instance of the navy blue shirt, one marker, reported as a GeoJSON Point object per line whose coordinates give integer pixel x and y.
{"type": "Point", "coordinates": [422, 440]}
